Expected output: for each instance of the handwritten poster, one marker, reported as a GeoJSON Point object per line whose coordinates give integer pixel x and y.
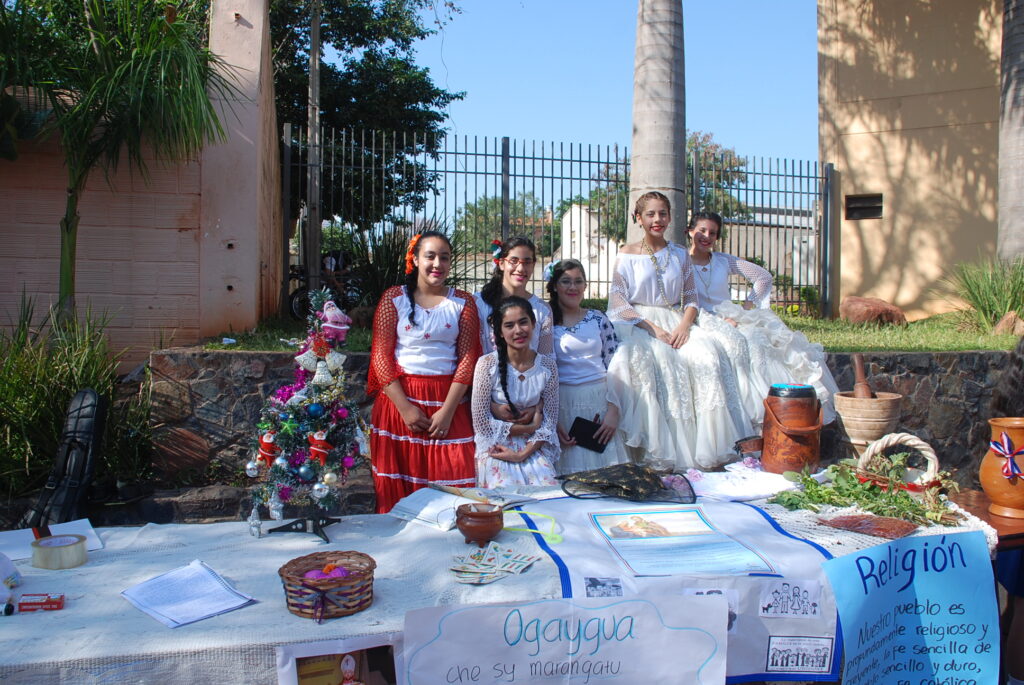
{"type": "Point", "coordinates": [918, 610]}
{"type": "Point", "coordinates": [678, 639]}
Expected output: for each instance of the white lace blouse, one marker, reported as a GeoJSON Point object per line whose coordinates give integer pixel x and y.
{"type": "Point", "coordinates": [584, 350]}
{"type": "Point", "coordinates": [428, 347]}
{"type": "Point", "coordinates": [540, 341]}
{"type": "Point", "coordinates": [713, 281]}
{"type": "Point", "coordinates": [637, 281]}
{"type": "Point", "coordinates": [525, 389]}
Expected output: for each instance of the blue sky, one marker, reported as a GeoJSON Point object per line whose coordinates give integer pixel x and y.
{"type": "Point", "coordinates": [562, 70]}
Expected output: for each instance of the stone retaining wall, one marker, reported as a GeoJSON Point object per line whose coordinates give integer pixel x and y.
{"type": "Point", "coordinates": [206, 403]}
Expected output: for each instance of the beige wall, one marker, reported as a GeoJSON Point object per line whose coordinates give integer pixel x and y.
{"type": "Point", "coordinates": [908, 107]}
{"type": "Point", "coordinates": [158, 256]}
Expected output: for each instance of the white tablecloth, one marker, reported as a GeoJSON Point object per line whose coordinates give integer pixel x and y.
{"type": "Point", "coordinates": [100, 638]}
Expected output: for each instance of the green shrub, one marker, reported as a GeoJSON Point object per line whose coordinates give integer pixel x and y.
{"type": "Point", "coordinates": [991, 288]}
{"type": "Point", "coordinates": [41, 368]}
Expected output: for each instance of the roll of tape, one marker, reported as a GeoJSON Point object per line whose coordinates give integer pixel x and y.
{"type": "Point", "coordinates": [59, 551]}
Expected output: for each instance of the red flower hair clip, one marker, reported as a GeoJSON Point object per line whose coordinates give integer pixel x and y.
{"type": "Point", "coordinates": [410, 253]}
{"type": "Point", "coordinates": [496, 251]}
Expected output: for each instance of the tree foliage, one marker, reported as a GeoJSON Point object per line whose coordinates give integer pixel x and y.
{"type": "Point", "coordinates": [369, 84]}
{"type": "Point", "coordinates": [478, 223]}
{"type": "Point", "coordinates": [120, 78]}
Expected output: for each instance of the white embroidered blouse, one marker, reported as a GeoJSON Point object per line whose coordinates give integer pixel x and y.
{"type": "Point", "coordinates": [584, 350]}
{"type": "Point", "coordinates": [713, 281]}
{"type": "Point", "coordinates": [525, 389]}
{"type": "Point", "coordinates": [428, 347]}
{"type": "Point", "coordinates": [637, 280]}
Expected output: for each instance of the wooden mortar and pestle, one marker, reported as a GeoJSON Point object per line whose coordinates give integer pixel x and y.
{"type": "Point", "coordinates": [866, 415]}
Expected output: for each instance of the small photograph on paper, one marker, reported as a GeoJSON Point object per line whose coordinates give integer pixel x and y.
{"type": "Point", "coordinates": [363, 667]}
{"type": "Point", "coordinates": [730, 595]}
{"type": "Point", "coordinates": [603, 587]}
{"type": "Point", "coordinates": [798, 654]}
{"type": "Point", "coordinates": [790, 599]}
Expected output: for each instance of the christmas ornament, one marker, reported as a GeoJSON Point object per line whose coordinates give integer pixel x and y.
{"type": "Point", "coordinates": [252, 469]}
{"type": "Point", "coordinates": [336, 323]}
{"type": "Point", "coordinates": [330, 478]}
{"type": "Point", "coordinates": [268, 449]}
{"type": "Point", "coordinates": [288, 427]}
{"type": "Point", "coordinates": [316, 410]}
{"type": "Point", "coordinates": [319, 447]}
{"type": "Point", "coordinates": [298, 398]}
{"type": "Point", "coordinates": [307, 360]}
{"type": "Point", "coordinates": [281, 462]}
{"type": "Point", "coordinates": [306, 473]}
{"type": "Point", "coordinates": [318, 491]}
{"type": "Point", "coordinates": [335, 361]}
{"type": "Point", "coordinates": [322, 377]}
{"type": "Point", "coordinates": [255, 523]}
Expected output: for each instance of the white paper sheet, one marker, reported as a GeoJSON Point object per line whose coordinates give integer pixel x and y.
{"type": "Point", "coordinates": [185, 595]}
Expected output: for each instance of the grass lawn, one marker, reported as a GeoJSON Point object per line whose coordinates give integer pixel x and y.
{"type": "Point", "coordinates": [942, 333]}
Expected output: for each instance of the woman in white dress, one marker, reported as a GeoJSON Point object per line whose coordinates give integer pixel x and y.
{"type": "Point", "coordinates": [776, 353]}
{"type": "Point", "coordinates": [585, 341]}
{"type": "Point", "coordinates": [672, 382]}
{"type": "Point", "coordinates": [508, 453]}
{"type": "Point", "coordinates": [513, 267]}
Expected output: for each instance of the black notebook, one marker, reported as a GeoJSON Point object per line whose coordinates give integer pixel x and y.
{"type": "Point", "coordinates": [583, 431]}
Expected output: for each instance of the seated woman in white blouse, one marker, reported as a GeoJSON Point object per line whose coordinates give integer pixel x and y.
{"type": "Point", "coordinates": [514, 375]}
{"type": "Point", "coordinates": [762, 348]}
{"type": "Point", "coordinates": [584, 343]}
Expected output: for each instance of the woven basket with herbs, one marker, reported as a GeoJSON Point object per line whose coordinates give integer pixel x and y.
{"type": "Point", "coordinates": [346, 588]}
{"type": "Point", "coordinates": [880, 484]}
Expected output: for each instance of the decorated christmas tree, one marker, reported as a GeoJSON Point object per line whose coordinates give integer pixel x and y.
{"type": "Point", "coordinates": [309, 433]}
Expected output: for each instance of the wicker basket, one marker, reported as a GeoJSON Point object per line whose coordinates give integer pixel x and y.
{"type": "Point", "coordinates": [320, 598]}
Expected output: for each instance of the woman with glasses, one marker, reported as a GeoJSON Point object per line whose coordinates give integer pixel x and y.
{"type": "Point", "coordinates": [513, 267]}
{"type": "Point", "coordinates": [584, 341]}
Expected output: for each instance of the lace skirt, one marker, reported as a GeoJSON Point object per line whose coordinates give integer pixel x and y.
{"type": "Point", "coordinates": [747, 363]}
{"type": "Point", "coordinates": [539, 469]}
{"type": "Point", "coordinates": [586, 400]}
{"type": "Point", "coordinates": [682, 407]}
{"type": "Point", "coordinates": [781, 355]}
{"type": "Point", "coordinates": [403, 461]}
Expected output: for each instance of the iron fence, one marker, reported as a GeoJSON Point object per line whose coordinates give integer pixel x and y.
{"type": "Point", "coordinates": [570, 198]}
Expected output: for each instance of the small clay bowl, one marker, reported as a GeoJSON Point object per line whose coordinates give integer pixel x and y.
{"type": "Point", "coordinates": [479, 523]}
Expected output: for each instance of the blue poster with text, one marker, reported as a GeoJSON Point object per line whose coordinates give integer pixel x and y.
{"type": "Point", "coordinates": [918, 611]}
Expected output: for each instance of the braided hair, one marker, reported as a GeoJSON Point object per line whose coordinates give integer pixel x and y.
{"type": "Point", "coordinates": [412, 276]}
{"type": "Point", "coordinates": [1008, 396]}
{"type": "Point", "coordinates": [495, 319]}
{"type": "Point", "coordinates": [491, 292]}
{"type": "Point", "coordinates": [557, 270]}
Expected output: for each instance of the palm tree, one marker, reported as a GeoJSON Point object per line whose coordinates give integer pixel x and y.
{"type": "Point", "coordinates": [1011, 133]}
{"type": "Point", "coordinates": [128, 78]}
{"type": "Point", "coordinates": [659, 110]}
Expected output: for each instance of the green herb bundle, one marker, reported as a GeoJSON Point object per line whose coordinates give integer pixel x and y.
{"type": "Point", "coordinates": [847, 485]}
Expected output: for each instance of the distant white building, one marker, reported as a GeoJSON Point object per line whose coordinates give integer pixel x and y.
{"type": "Point", "coordinates": [582, 240]}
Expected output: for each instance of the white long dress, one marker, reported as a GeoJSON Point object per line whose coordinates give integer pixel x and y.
{"type": "Point", "coordinates": [682, 407]}
{"type": "Point", "coordinates": [525, 389]}
{"type": "Point", "coordinates": [777, 354]}
{"type": "Point", "coordinates": [541, 340]}
{"type": "Point", "coordinates": [583, 352]}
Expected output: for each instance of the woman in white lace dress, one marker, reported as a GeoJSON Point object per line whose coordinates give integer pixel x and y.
{"type": "Point", "coordinates": [508, 453]}
{"type": "Point", "coordinates": [513, 267]}
{"type": "Point", "coordinates": [585, 341]}
{"type": "Point", "coordinates": [675, 388]}
{"type": "Point", "coordinates": [774, 353]}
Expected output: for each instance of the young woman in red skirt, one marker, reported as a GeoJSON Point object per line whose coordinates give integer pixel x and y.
{"type": "Point", "coordinates": [426, 341]}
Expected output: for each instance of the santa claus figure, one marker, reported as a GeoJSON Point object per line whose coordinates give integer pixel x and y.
{"type": "Point", "coordinates": [319, 447]}
{"type": "Point", "coordinates": [336, 322]}
{"type": "Point", "coordinates": [268, 450]}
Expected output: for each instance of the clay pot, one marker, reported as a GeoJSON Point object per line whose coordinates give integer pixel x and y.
{"type": "Point", "coordinates": [479, 523]}
{"type": "Point", "coordinates": [1006, 494]}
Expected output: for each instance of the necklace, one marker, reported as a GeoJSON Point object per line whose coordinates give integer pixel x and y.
{"type": "Point", "coordinates": [659, 271]}
{"type": "Point", "coordinates": [704, 273]}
